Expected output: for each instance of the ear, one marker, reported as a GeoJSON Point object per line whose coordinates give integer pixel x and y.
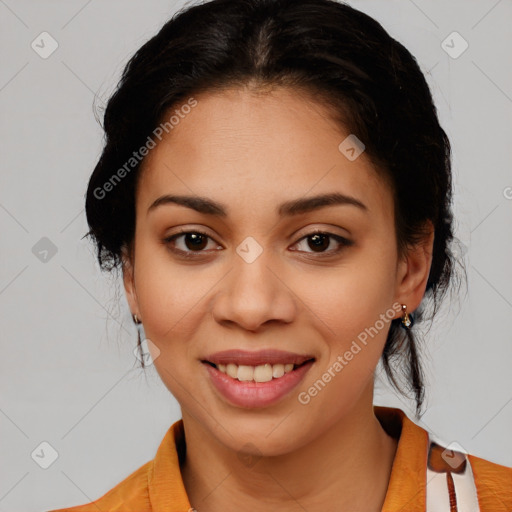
{"type": "Point", "coordinates": [413, 271]}
{"type": "Point", "coordinates": [129, 281]}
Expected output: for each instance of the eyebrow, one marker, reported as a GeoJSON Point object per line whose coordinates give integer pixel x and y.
{"type": "Point", "coordinates": [294, 207]}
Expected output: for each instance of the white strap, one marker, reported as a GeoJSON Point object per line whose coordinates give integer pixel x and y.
{"type": "Point", "coordinates": [448, 467]}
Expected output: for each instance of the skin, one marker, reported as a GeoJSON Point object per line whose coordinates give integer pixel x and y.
{"type": "Point", "coordinates": [253, 152]}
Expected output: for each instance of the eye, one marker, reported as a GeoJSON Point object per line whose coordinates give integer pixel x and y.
{"type": "Point", "coordinates": [320, 241]}
{"type": "Point", "coordinates": [191, 242]}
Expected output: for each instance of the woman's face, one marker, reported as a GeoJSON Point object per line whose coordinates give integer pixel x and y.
{"type": "Point", "coordinates": [257, 277]}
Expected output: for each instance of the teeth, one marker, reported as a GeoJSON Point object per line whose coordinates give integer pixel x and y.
{"type": "Point", "coordinates": [263, 373]}
{"type": "Point", "coordinates": [260, 373]}
{"type": "Point", "coordinates": [277, 371]}
{"type": "Point", "coordinates": [232, 370]}
{"type": "Point", "coordinates": [245, 372]}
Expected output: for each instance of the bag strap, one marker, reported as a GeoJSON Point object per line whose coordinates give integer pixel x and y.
{"type": "Point", "coordinates": [450, 481]}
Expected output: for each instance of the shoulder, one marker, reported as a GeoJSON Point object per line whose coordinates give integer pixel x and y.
{"type": "Point", "coordinates": [129, 495]}
{"type": "Point", "coordinates": [155, 485]}
{"type": "Point", "coordinates": [430, 474]}
{"type": "Point", "coordinates": [493, 482]}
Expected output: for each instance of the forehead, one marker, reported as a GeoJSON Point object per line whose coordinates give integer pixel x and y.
{"type": "Point", "coordinates": [246, 149]}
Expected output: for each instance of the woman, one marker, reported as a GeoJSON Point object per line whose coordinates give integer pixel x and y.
{"type": "Point", "coordinates": [276, 188]}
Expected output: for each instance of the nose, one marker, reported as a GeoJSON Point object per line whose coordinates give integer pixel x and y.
{"type": "Point", "coordinates": [253, 295]}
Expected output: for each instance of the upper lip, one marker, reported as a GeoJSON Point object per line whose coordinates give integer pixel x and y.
{"type": "Point", "coordinates": [243, 357]}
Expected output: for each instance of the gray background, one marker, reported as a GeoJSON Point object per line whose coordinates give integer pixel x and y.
{"type": "Point", "coordinates": [68, 374]}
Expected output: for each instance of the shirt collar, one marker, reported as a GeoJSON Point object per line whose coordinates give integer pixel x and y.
{"type": "Point", "coordinates": [407, 483]}
{"type": "Point", "coordinates": [406, 489]}
{"type": "Point", "coordinates": [167, 491]}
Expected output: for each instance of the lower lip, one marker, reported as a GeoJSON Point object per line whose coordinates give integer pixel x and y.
{"type": "Point", "coordinates": [256, 394]}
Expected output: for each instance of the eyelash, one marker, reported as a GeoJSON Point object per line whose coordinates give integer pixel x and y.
{"type": "Point", "coordinates": [195, 254]}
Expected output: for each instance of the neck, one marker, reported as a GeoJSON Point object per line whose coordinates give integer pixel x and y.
{"type": "Point", "coordinates": [346, 468]}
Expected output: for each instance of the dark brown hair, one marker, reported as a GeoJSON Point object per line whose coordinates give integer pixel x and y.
{"type": "Point", "coordinates": [336, 55]}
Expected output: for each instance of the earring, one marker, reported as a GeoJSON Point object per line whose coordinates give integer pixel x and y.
{"type": "Point", "coordinates": [407, 319]}
{"type": "Point", "coordinates": [137, 323]}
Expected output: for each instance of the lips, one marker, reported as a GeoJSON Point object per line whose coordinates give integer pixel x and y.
{"type": "Point", "coordinates": [256, 358]}
{"type": "Point", "coordinates": [250, 394]}
{"type": "Point", "coordinates": [251, 390]}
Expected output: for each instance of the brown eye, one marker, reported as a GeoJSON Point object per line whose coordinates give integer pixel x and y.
{"type": "Point", "coordinates": [195, 241]}
{"type": "Point", "coordinates": [320, 241]}
{"type": "Point", "coordinates": [189, 242]}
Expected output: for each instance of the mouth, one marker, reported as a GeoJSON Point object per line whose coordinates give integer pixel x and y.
{"type": "Point", "coordinates": [257, 366]}
{"type": "Point", "coordinates": [266, 378]}
{"type": "Point", "coordinates": [264, 372]}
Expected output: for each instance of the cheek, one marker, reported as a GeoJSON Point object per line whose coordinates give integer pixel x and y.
{"type": "Point", "coordinates": [171, 306]}
{"type": "Point", "coordinates": [353, 318]}
{"type": "Point", "coordinates": [169, 296]}
{"type": "Point", "coordinates": [348, 298]}
{"type": "Point", "coordinates": [351, 307]}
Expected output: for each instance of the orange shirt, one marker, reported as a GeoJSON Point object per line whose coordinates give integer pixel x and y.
{"type": "Point", "coordinates": [453, 478]}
